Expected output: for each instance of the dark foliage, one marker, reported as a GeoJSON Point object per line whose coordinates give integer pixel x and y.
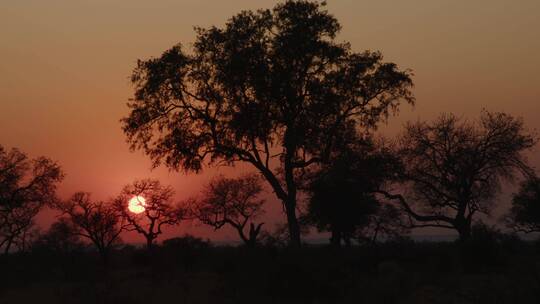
{"type": "Point", "coordinates": [159, 209]}
{"type": "Point", "coordinates": [234, 202]}
{"type": "Point", "coordinates": [453, 169]}
{"type": "Point", "coordinates": [271, 88]}
{"type": "Point", "coordinates": [99, 222]}
{"type": "Point", "coordinates": [393, 272]}
{"type": "Point", "coordinates": [342, 198]}
{"type": "Point", "coordinates": [186, 242]}
{"type": "Point", "coordinates": [524, 216]}
{"type": "Point", "coordinates": [62, 238]}
{"type": "Point", "coordinates": [26, 185]}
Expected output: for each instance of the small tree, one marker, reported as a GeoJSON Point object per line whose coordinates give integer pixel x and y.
{"type": "Point", "coordinates": [234, 202]}
{"type": "Point", "coordinates": [341, 193]}
{"type": "Point", "coordinates": [454, 168]}
{"type": "Point", "coordinates": [272, 88]}
{"type": "Point", "coordinates": [99, 222]}
{"type": "Point", "coordinates": [25, 187]}
{"type": "Point", "coordinates": [524, 216]}
{"type": "Point", "coordinates": [159, 210]}
{"type": "Point", "coordinates": [61, 238]}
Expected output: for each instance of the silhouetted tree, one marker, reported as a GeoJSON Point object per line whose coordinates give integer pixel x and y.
{"type": "Point", "coordinates": [234, 202]}
{"type": "Point", "coordinates": [159, 210]}
{"type": "Point", "coordinates": [61, 238]}
{"type": "Point", "coordinates": [524, 216]}
{"type": "Point", "coordinates": [341, 193]}
{"type": "Point", "coordinates": [25, 187]}
{"type": "Point", "coordinates": [99, 222]}
{"type": "Point", "coordinates": [271, 88]}
{"type": "Point", "coordinates": [454, 168]}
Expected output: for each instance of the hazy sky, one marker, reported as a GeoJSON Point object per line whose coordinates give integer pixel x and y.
{"type": "Point", "coordinates": [64, 68]}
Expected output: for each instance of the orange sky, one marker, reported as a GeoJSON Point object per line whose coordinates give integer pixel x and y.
{"type": "Point", "coordinates": [65, 65]}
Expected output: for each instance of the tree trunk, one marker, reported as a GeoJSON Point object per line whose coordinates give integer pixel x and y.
{"type": "Point", "coordinates": [290, 201]}
{"type": "Point", "coordinates": [149, 243]}
{"type": "Point", "coordinates": [294, 226]}
{"type": "Point", "coordinates": [104, 253]}
{"type": "Point", "coordinates": [247, 241]}
{"type": "Point", "coordinates": [464, 231]}
{"type": "Point", "coordinates": [253, 233]}
{"type": "Point", "coordinates": [335, 239]}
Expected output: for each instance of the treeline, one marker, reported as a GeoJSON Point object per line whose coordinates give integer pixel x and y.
{"type": "Point", "coordinates": [275, 89]}
{"type": "Point", "coordinates": [451, 170]}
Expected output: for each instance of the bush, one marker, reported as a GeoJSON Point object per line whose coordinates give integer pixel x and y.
{"type": "Point", "coordinates": [186, 242]}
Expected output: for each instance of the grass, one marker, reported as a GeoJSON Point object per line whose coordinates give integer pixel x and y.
{"type": "Point", "coordinates": [404, 272]}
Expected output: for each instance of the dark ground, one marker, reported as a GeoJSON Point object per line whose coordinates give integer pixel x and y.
{"type": "Point", "coordinates": [398, 272]}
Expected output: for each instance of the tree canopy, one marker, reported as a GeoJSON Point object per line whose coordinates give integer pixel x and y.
{"type": "Point", "coordinates": [159, 209]}
{"type": "Point", "coordinates": [232, 201]}
{"type": "Point", "coordinates": [524, 215]}
{"type": "Point", "coordinates": [98, 221]}
{"type": "Point", "coordinates": [453, 168]}
{"type": "Point", "coordinates": [272, 88]}
{"type": "Point", "coordinates": [342, 193]}
{"type": "Point", "coordinates": [26, 185]}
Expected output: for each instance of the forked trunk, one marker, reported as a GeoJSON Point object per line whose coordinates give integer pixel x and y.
{"type": "Point", "coordinates": [463, 226]}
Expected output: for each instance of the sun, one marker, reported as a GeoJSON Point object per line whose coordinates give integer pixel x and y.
{"type": "Point", "coordinates": [136, 204]}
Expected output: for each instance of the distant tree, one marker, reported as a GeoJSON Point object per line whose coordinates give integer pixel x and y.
{"type": "Point", "coordinates": [272, 88]}
{"type": "Point", "coordinates": [234, 202]}
{"type": "Point", "coordinates": [61, 238]}
{"type": "Point", "coordinates": [341, 193]}
{"type": "Point", "coordinates": [25, 187]}
{"type": "Point", "coordinates": [99, 222]}
{"type": "Point", "coordinates": [159, 210]}
{"type": "Point", "coordinates": [454, 168]}
{"type": "Point", "coordinates": [524, 216]}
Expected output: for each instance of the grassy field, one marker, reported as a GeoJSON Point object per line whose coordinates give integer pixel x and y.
{"type": "Point", "coordinates": [399, 272]}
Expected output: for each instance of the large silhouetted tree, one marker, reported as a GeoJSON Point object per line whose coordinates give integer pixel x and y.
{"type": "Point", "coordinates": [159, 209]}
{"type": "Point", "coordinates": [26, 185]}
{"type": "Point", "coordinates": [271, 88]}
{"type": "Point", "coordinates": [524, 216]}
{"type": "Point", "coordinates": [234, 202]}
{"type": "Point", "coordinates": [454, 168]}
{"type": "Point", "coordinates": [97, 221]}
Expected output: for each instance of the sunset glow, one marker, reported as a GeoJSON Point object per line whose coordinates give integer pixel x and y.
{"type": "Point", "coordinates": [136, 204]}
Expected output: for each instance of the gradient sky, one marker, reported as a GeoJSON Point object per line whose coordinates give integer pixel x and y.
{"type": "Point", "coordinates": [65, 66]}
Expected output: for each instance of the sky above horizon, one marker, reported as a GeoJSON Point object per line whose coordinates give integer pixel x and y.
{"type": "Point", "coordinates": [64, 74]}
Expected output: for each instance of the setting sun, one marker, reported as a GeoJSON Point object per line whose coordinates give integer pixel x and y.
{"type": "Point", "coordinates": [136, 204]}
